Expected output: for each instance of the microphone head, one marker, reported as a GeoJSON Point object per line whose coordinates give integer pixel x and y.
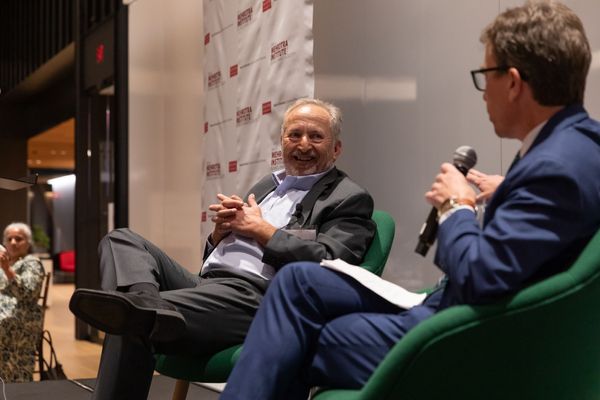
{"type": "Point", "coordinates": [464, 158]}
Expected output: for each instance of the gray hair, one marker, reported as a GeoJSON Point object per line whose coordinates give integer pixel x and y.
{"type": "Point", "coordinates": [24, 228]}
{"type": "Point", "coordinates": [335, 114]}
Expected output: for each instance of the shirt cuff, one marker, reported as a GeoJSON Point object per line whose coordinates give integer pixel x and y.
{"type": "Point", "coordinates": [451, 211]}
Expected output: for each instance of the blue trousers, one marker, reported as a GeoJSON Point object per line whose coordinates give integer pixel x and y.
{"type": "Point", "coordinates": [316, 327]}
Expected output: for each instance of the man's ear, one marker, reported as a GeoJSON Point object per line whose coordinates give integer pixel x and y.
{"type": "Point", "coordinates": [337, 149]}
{"type": "Point", "coordinates": [516, 84]}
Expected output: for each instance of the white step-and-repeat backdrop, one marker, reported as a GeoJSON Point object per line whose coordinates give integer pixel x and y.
{"type": "Point", "coordinates": [258, 60]}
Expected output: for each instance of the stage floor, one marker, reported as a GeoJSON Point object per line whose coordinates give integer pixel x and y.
{"type": "Point", "coordinates": [75, 389]}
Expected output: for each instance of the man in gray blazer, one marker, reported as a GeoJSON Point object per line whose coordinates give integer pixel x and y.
{"type": "Point", "coordinates": [309, 210]}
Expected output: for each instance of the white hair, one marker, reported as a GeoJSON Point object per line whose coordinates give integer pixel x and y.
{"type": "Point", "coordinates": [21, 226]}
{"type": "Point", "coordinates": [335, 114]}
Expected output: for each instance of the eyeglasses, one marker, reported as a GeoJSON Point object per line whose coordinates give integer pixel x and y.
{"type": "Point", "coordinates": [478, 76]}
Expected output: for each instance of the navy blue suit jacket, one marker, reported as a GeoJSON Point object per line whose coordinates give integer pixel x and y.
{"type": "Point", "coordinates": [537, 222]}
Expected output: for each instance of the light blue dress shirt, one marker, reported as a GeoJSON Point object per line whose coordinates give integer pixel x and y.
{"type": "Point", "coordinates": [239, 253]}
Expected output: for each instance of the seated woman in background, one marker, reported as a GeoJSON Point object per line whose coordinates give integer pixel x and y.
{"type": "Point", "coordinates": [21, 277]}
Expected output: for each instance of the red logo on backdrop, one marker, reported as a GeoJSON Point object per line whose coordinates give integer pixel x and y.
{"type": "Point", "coordinates": [266, 5]}
{"type": "Point", "coordinates": [245, 16]}
{"type": "Point", "coordinates": [214, 79]}
{"type": "Point", "coordinates": [207, 38]}
{"type": "Point", "coordinates": [203, 218]}
{"type": "Point", "coordinates": [279, 50]}
{"type": "Point", "coordinates": [266, 107]}
{"type": "Point", "coordinates": [206, 127]}
{"type": "Point", "coordinates": [232, 166]}
{"type": "Point", "coordinates": [233, 70]}
{"type": "Point", "coordinates": [213, 170]}
{"type": "Point", "coordinates": [276, 158]}
{"type": "Point", "coordinates": [100, 54]}
{"type": "Point", "coordinates": [243, 115]}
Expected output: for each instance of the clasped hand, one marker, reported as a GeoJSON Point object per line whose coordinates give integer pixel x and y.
{"type": "Point", "coordinates": [4, 258]}
{"type": "Point", "coordinates": [234, 215]}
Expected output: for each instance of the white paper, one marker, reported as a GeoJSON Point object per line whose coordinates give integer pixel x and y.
{"type": "Point", "coordinates": [391, 292]}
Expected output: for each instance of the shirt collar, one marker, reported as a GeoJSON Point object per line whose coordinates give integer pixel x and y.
{"type": "Point", "coordinates": [287, 182]}
{"type": "Point", "coordinates": [530, 138]}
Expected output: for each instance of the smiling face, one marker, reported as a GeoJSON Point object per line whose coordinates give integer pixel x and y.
{"type": "Point", "coordinates": [16, 243]}
{"type": "Point", "coordinates": [309, 147]}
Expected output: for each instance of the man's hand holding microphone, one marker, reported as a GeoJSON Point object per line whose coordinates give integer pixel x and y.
{"type": "Point", "coordinates": [450, 189]}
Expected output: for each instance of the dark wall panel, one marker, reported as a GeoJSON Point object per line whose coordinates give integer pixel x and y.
{"type": "Point", "coordinates": [13, 159]}
{"type": "Point", "coordinates": [31, 33]}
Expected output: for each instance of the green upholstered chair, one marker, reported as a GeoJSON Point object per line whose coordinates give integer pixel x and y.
{"type": "Point", "coordinates": [541, 343]}
{"type": "Point", "coordinates": [216, 368]}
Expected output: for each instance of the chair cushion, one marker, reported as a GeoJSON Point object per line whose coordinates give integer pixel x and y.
{"type": "Point", "coordinates": [215, 368]}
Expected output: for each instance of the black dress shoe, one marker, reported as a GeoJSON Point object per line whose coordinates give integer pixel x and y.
{"type": "Point", "coordinates": [133, 313]}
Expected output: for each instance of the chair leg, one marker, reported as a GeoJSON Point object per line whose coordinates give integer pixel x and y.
{"type": "Point", "coordinates": [181, 389]}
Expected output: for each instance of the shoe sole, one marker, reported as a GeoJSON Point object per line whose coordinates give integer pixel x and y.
{"type": "Point", "coordinates": [117, 315]}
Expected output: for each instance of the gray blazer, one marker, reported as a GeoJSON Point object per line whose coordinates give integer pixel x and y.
{"type": "Point", "coordinates": [340, 212]}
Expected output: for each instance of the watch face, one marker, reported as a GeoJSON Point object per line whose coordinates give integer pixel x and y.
{"type": "Point", "coordinates": [452, 203]}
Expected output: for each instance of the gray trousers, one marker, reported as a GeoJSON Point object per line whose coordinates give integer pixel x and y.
{"type": "Point", "coordinates": [218, 309]}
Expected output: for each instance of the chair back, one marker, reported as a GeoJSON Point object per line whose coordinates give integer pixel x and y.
{"type": "Point", "coordinates": [43, 299]}
{"type": "Point", "coordinates": [541, 343]}
{"type": "Point", "coordinates": [43, 303]}
{"type": "Point", "coordinates": [380, 247]}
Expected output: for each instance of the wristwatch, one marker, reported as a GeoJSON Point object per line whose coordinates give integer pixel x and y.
{"type": "Point", "coordinates": [454, 202]}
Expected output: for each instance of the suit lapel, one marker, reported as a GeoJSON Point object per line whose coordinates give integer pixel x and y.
{"type": "Point", "coordinates": [559, 121]}
{"type": "Point", "coordinates": [265, 186]}
{"type": "Point", "coordinates": [308, 202]}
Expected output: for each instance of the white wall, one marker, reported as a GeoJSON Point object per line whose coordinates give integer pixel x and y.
{"type": "Point", "coordinates": [63, 205]}
{"type": "Point", "coordinates": [165, 125]}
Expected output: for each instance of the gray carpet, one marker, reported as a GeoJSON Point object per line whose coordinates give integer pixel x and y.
{"type": "Point", "coordinates": [162, 388]}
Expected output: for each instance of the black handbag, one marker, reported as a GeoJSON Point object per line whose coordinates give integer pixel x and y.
{"type": "Point", "coordinates": [50, 369]}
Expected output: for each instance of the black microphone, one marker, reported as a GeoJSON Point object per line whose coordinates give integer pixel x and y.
{"type": "Point", "coordinates": [298, 212]}
{"type": "Point", "coordinates": [464, 159]}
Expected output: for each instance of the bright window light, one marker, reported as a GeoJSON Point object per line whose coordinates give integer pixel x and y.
{"type": "Point", "coordinates": [66, 180]}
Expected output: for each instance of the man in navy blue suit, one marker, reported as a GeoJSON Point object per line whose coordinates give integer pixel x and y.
{"type": "Point", "coordinates": [314, 320]}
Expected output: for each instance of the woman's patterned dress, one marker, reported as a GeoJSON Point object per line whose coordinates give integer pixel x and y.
{"type": "Point", "coordinates": [20, 319]}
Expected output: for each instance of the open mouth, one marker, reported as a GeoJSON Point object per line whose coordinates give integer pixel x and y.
{"type": "Point", "coordinates": [302, 158]}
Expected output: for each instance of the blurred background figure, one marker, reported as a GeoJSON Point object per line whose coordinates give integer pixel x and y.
{"type": "Point", "coordinates": [21, 278]}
